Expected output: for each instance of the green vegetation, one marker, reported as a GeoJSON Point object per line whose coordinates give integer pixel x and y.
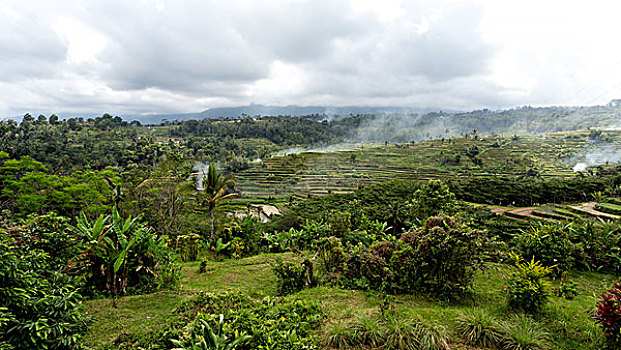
{"type": "Point", "coordinates": [477, 241]}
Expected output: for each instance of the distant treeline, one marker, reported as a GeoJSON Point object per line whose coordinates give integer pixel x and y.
{"type": "Point", "coordinates": [64, 146]}
{"type": "Point", "coordinates": [281, 130]}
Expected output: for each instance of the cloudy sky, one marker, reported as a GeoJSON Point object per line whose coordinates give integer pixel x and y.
{"type": "Point", "coordinates": [169, 56]}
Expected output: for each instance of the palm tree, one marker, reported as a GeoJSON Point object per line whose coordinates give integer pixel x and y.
{"type": "Point", "coordinates": [215, 186]}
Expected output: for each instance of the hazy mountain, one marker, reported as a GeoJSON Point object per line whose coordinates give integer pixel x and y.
{"type": "Point", "coordinates": [261, 110]}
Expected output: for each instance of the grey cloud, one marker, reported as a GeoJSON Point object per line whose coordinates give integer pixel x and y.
{"type": "Point", "coordinates": [450, 48]}
{"type": "Point", "coordinates": [299, 31]}
{"type": "Point", "coordinates": [195, 52]}
{"type": "Point", "coordinates": [181, 49]}
{"type": "Point", "coordinates": [29, 48]}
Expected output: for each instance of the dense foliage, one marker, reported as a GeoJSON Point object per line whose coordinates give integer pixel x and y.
{"type": "Point", "coordinates": [39, 308]}
{"type": "Point", "coordinates": [438, 258]}
{"type": "Point", "coordinates": [270, 323]}
{"type": "Point", "coordinates": [527, 191]}
{"type": "Point", "coordinates": [608, 316]}
{"type": "Point", "coordinates": [102, 208]}
{"type": "Point", "coordinates": [123, 254]}
{"type": "Point", "coordinates": [527, 288]}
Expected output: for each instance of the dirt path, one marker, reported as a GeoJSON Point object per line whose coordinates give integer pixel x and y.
{"type": "Point", "coordinates": [589, 208]}
{"type": "Point", "coordinates": [528, 212]}
{"type": "Point", "coordinates": [523, 213]}
{"type": "Point", "coordinates": [498, 210]}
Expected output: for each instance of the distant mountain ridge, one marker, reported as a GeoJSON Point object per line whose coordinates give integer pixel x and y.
{"type": "Point", "coordinates": [601, 115]}
{"type": "Point", "coordinates": [263, 110]}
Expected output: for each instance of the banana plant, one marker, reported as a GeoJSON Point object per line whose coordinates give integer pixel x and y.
{"type": "Point", "coordinates": [204, 338]}
{"type": "Point", "coordinates": [113, 244]}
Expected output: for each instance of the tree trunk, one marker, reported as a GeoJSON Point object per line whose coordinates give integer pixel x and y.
{"type": "Point", "coordinates": [211, 235]}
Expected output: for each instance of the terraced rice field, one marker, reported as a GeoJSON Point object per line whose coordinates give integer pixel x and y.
{"type": "Point", "coordinates": [558, 212]}
{"type": "Point", "coordinates": [318, 173]}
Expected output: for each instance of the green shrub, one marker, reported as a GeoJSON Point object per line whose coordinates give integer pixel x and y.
{"type": "Point", "coordinates": [203, 337]}
{"type": "Point", "coordinates": [549, 243]}
{"type": "Point", "coordinates": [433, 198]}
{"type": "Point", "coordinates": [608, 316]}
{"type": "Point", "coordinates": [340, 336]}
{"type": "Point", "coordinates": [244, 234]}
{"type": "Point", "coordinates": [168, 275]}
{"type": "Point", "coordinates": [272, 323]}
{"type": "Point", "coordinates": [599, 245]}
{"type": "Point", "coordinates": [40, 309]}
{"type": "Point", "coordinates": [438, 258]}
{"type": "Point", "coordinates": [188, 246]}
{"type": "Point", "coordinates": [333, 256]}
{"type": "Point", "coordinates": [527, 288]}
{"type": "Point", "coordinates": [431, 335]}
{"type": "Point", "coordinates": [523, 333]}
{"type": "Point", "coordinates": [567, 290]}
{"type": "Point", "coordinates": [49, 233]}
{"type": "Point", "coordinates": [214, 303]}
{"type": "Point", "coordinates": [291, 277]}
{"type": "Point", "coordinates": [202, 268]}
{"type": "Point", "coordinates": [121, 255]}
{"type": "Point", "coordinates": [368, 330]}
{"type": "Point", "coordinates": [478, 328]}
{"type": "Point", "coordinates": [388, 333]}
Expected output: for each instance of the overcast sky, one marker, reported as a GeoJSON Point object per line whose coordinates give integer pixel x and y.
{"type": "Point", "coordinates": [169, 56]}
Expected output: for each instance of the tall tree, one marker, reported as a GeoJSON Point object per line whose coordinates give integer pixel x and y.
{"type": "Point", "coordinates": [214, 190]}
{"type": "Point", "coordinates": [163, 195]}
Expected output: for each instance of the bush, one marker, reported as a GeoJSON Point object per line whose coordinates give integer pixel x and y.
{"type": "Point", "coordinates": [526, 287]}
{"type": "Point", "coordinates": [49, 233]}
{"type": "Point", "coordinates": [438, 258]}
{"type": "Point", "coordinates": [478, 328]}
{"type": "Point", "coordinates": [433, 198]}
{"type": "Point", "coordinates": [567, 290]}
{"type": "Point", "coordinates": [271, 323]}
{"type": "Point", "coordinates": [608, 315]}
{"type": "Point", "coordinates": [291, 277]}
{"type": "Point", "coordinates": [388, 333]}
{"type": "Point", "coordinates": [202, 268]}
{"type": "Point", "coordinates": [549, 243]}
{"type": "Point", "coordinates": [244, 234]}
{"type": "Point", "coordinates": [168, 275]}
{"type": "Point", "coordinates": [122, 255]}
{"type": "Point", "coordinates": [213, 303]}
{"type": "Point", "coordinates": [599, 244]}
{"type": "Point", "coordinates": [188, 246]}
{"type": "Point", "coordinates": [523, 333]}
{"type": "Point", "coordinates": [202, 337]}
{"type": "Point", "coordinates": [41, 309]}
{"type": "Point", "coordinates": [332, 255]}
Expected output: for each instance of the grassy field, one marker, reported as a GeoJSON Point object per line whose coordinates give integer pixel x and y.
{"type": "Point", "coordinates": [567, 321]}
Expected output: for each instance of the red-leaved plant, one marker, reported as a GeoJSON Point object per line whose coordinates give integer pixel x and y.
{"type": "Point", "coordinates": [608, 315]}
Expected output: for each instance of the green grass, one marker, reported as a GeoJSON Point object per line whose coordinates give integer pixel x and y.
{"type": "Point", "coordinates": [609, 208]}
{"type": "Point", "coordinates": [614, 200]}
{"type": "Point", "coordinates": [134, 314]}
{"type": "Point", "coordinates": [567, 321]}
